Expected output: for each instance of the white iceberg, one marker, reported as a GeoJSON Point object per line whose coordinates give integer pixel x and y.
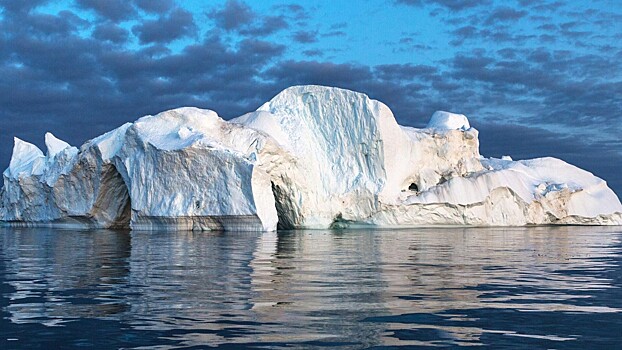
{"type": "Point", "coordinates": [442, 120]}
{"type": "Point", "coordinates": [312, 157]}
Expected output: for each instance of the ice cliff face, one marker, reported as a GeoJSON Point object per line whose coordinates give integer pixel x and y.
{"type": "Point", "coordinates": [312, 157]}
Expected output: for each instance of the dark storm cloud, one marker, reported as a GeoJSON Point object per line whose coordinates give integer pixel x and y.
{"type": "Point", "coordinates": [175, 25]}
{"type": "Point", "coordinates": [114, 10]}
{"type": "Point", "coordinates": [110, 32]}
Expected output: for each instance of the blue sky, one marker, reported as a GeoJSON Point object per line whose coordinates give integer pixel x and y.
{"type": "Point", "coordinates": [537, 78]}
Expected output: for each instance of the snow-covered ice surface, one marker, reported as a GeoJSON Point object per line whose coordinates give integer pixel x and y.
{"type": "Point", "coordinates": [448, 121]}
{"type": "Point", "coordinates": [312, 157]}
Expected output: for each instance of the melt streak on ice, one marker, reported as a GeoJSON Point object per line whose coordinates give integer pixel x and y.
{"type": "Point", "coordinates": [312, 157]}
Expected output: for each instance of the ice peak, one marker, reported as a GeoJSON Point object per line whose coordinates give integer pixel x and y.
{"type": "Point", "coordinates": [54, 145]}
{"type": "Point", "coordinates": [26, 158]}
{"type": "Point", "coordinates": [442, 120]}
{"type": "Point", "coordinates": [178, 128]}
{"type": "Point", "coordinates": [308, 93]}
{"type": "Point", "coordinates": [301, 89]}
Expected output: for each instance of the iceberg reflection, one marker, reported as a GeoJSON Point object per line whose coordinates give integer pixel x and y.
{"type": "Point", "coordinates": [436, 286]}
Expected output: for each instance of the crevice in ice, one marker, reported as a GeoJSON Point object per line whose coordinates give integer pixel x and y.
{"type": "Point", "coordinates": [283, 208]}
{"type": "Point", "coordinates": [441, 181]}
{"type": "Point", "coordinates": [413, 187]}
{"type": "Point", "coordinates": [112, 207]}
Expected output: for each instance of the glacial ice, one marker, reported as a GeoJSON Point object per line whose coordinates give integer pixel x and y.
{"type": "Point", "coordinates": [312, 157]}
{"type": "Point", "coordinates": [442, 120]}
{"type": "Point", "coordinates": [54, 145]}
{"type": "Point", "coordinates": [27, 159]}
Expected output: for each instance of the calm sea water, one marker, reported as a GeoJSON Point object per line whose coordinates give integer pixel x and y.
{"type": "Point", "coordinates": [529, 288]}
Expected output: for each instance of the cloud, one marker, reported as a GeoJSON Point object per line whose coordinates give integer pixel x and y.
{"type": "Point", "coordinates": [305, 37]}
{"type": "Point", "coordinates": [294, 11]}
{"type": "Point", "coordinates": [23, 6]}
{"type": "Point", "coordinates": [110, 32]}
{"type": "Point", "coordinates": [113, 10]}
{"type": "Point", "coordinates": [454, 5]}
{"type": "Point", "coordinates": [495, 33]}
{"type": "Point", "coordinates": [155, 6]}
{"type": "Point", "coordinates": [504, 14]}
{"type": "Point", "coordinates": [63, 23]}
{"type": "Point", "coordinates": [265, 26]}
{"type": "Point", "coordinates": [175, 25]}
{"type": "Point", "coordinates": [289, 73]}
{"type": "Point", "coordinates": [313, 53]}
{"type": "Point", "coordinates": [237, 16]}
{"type": "Point", "coordinates": [542, 5]}
{"type": "Point", "coordinates": [233, 16]}
{"type": "Point", "coordinates": [404, 72]}
{"type": "Point", "coordinates": [340, 25]}
{"type": "Point", "coordinates": [334, 33]}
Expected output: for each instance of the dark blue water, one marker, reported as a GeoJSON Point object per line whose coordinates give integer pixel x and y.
{"type": "Point", "coordinates": [529, 288]}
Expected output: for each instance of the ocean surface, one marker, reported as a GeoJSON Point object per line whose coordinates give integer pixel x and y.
{"type": "Point", "coordinates": [515, 288]}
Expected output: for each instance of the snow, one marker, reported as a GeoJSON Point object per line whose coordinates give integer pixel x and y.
{"type": "Point", "coordinates": [311, 157]}
{"type": "Point", "coordinates": [54, 145]}
{"type": "Point", "coordinates": [265, 122]}
{"type": "Point", "coordinates": [109, 143]}
{"type": "Point", "coordinates": [27, 160]}
{"type": "Point", "coordinates": [531, 180]}
{"type": "Point", "coordinates": [448, 121]}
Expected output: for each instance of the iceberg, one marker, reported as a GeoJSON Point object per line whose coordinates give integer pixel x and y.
{"type": "Point", "coordinates": [312, 157]}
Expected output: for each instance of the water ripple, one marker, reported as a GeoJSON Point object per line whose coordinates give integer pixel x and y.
{"type": "Point", "coordinates": [541, 287]}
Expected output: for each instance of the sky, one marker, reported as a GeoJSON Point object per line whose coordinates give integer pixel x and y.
{"type": "Point", "coordinates": [535, 77]}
